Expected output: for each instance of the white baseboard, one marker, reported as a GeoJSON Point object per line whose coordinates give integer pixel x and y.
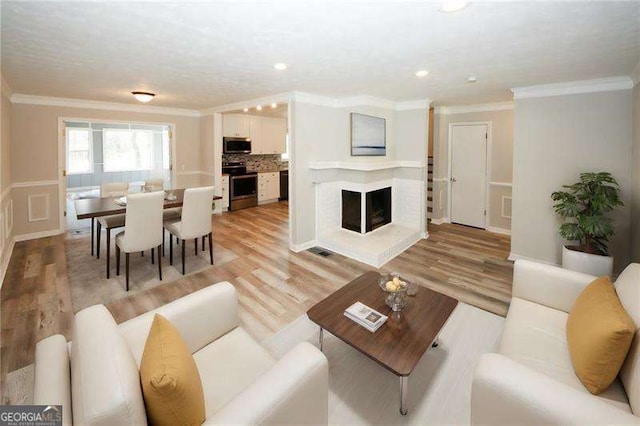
{"type": "Point", "coordinates": [34, 235]}
{"type": "Point", "coordinates": [302, 247]}
{"type": "Point", "coordinates": [499, 230]}
{"type": "Point", "coordinates": [440, 221]}
{"type": "Point", "coordinates": [514, 257]}
{"type": "Point", "coordinates": [5, 261]}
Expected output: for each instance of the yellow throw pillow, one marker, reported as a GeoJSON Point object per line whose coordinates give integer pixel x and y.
{"type": "Point", "coordinates": [599, 334]}
{"type": "Point", "coordinates": [171, 384]}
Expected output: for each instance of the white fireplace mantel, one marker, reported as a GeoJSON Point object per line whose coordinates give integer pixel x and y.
{"type": "Point", "coordinates": [368, 166]}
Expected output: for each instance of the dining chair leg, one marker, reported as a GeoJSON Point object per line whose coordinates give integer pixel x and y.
{"type": "Point", "coordinates": [183, 246]}
{"type": "Point", "coordinates": [126, 267]}
{"type": "Point", "coordinates": [152, 255]}
{"type": "Point", "coordinates": [98, 240]}
{"type": "Point", "coordinates": [162, 242]}
{"type": "Point", "coordinates": [203, 242]}
{"type": "Point", "coordinates": [195, 242]}
{"type": "Point", "coordinates": [159, 264]}
{"type": "Point", "coordinates": [170, 249]}
{"type": "Point", "coordinates": [117, 260]}
{"type": "Point", "coordinates": [93, 225]}
{"type": "Point", "coordinates": [108, 253]}
{"type": "Point", "coordinates": [211, 247]}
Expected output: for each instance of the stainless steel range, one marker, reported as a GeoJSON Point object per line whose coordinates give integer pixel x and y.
{"type": "Point", "coordinates": [243, 185]}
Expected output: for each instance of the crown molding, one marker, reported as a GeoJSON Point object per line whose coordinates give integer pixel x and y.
{"type": "Point", "coordinates": [462, 109]}
{"type": "Point", "coordinates": [6, 90]}
{"type": "Point", "coordinates": [18, 98]}
{"type": "Point", "coordinates": [353, 101]}
{"type": "Point", "coordinates": [574, 87]}
{"type": "Point", "coordinates": [279, 98]}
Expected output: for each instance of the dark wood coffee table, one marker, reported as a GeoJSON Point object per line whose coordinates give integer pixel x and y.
{"type": "Point", "coordinates": [400, 343]}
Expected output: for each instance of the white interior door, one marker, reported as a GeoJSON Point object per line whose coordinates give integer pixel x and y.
{"type": "Point", "coordinates": [468, 174]}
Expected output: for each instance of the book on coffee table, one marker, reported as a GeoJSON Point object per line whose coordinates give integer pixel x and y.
{"type": "Point", "coordinates": [369, 318]}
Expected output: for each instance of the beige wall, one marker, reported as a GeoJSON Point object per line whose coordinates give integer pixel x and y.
{"type": "Point", "coordinates": [34, 156]}
{"type": "Point", "coordinates": [635, 202]}
{"type": "Point", "coordinates": [557, 138]}
{"type": "Point", "coordinates": [501, 157]}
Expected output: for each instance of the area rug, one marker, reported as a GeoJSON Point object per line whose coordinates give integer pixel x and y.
{"type": "Point", "coordinates": [88, 279]}
{"type": "Point", "coordinates": [362, 392]}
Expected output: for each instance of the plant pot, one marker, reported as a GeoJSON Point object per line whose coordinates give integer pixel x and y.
{"type": "Point", "coordinates": [592, 264]}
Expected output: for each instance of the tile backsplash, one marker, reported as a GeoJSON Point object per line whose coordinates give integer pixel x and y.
{"type": "Point", "coordinates": [260, 163]}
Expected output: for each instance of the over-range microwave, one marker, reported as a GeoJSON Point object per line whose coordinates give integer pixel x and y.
{"type": "Point", "coordinates": [236, 145]}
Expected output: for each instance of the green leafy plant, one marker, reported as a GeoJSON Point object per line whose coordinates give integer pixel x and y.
{"type": "Point", "coordinates": [584, 205]}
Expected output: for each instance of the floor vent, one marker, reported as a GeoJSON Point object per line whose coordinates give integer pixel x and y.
{"type": "Point", "coordinates": [320, 252]}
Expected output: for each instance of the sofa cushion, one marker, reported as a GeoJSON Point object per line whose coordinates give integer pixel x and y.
{"type": "Point", "coordinates": [628, 289]}
{"type": "Point", "coordinates": [599, 333]}
{"type": "Point", "coordinates": [535, 335]}
{"type": "Point", "coordinates": [105, 381]}
{"type": "Point", "coordinates": [229, 365]}
{"type": "Point", "coordinates": [170, 381]}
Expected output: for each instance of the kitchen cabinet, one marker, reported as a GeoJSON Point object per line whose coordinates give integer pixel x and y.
{"type": "Point", "coordinates": [224, 189]}
{"type": "Point", "coordinates": [268, 135]}
{"type": "Point", "coordinates": [236, 125]}
{"type": "Point", "coordinates": [268, 186]}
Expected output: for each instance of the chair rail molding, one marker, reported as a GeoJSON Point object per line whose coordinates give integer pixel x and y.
{"type": "Point", "coordinates": [34, 183]}
{"type": "Point", "coordinates": [502, 184]}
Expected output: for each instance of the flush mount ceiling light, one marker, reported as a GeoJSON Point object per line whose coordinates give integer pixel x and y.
{"type": "Point", "coordinates": [422, 73]}
{"type": "Point", "coordinates": [274, 105]}
{"type": "Point", "coordinates": [259, 108]}
{"type": "Point", "coordinates": [280, 66]}
{"type": "Point", "coordinates": [246, 110]}
{"type": "Point", "coordinates": [472, 79]}
{"type": "Point", "coordinates": [453, 5]}
{"type": "Point", "coordinates": [143, 97]}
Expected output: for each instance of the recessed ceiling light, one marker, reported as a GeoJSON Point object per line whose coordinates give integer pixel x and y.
{"type": "Point", "coordinates": [259, 107]}
{"type": "Point", "coordinates": [453, 5]}
{"type": "Point", "coordinates": [246, 110]}
{"type": "Point", "coordinates": [280, 66]}
{"type": "Point", "coordinates": [422, 73]}
{"type": "Point", "coordinates": [143, 97]}
{"type": "Point", "coordinates": [472, 79]}
{"type": "Point", "coordinates": [274, 105]}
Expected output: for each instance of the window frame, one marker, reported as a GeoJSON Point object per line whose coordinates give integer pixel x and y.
{"type": "Point", "coordinates": [104, 157]}
{"type": "Point", "coordinates": [89, 131]}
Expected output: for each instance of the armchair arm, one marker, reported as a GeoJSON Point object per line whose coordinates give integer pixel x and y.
{"type": "Point", "coordinates": [548, 285]}
{"type": "Point", "coordinates": [52, 384]}
{"type": "Point", "coordinates": [201, 317]}
{"type": "Point", "coordinates": [505, 392]}
{"type": "Point", "coordinates": [294, 391]}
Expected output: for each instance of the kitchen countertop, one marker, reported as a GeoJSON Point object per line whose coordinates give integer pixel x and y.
{"type": "Point", "coordinates": [270, 170]}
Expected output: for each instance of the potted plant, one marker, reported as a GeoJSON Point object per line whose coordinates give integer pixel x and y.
{"type": "Point", "coordinates": [583, 205]}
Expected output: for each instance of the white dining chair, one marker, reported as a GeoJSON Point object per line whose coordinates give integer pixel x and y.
{"type": "Point", "coordinates": [142, 229]}
{"type": "Point", "coordinates": [109, 189]}
{"type": "Point", "coordinates": [194, 223]}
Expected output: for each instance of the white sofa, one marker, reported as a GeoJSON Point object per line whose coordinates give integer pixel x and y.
{"type": "Point", "coordinates": [96, 377]}
{"type": "Point", "coordinates": [531, 381]}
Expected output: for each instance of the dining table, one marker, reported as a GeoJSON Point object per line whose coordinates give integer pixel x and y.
{"type": "Point", "coordinates": [91, 208]}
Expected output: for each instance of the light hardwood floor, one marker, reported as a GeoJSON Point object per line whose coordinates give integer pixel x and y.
{"type": "Point", "coordinates": [275, 285]}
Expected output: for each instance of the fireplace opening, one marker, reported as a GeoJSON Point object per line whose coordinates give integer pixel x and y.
{"type": "Point", "coordinates": [377, 210]}
{"type": "Point", "coordinates": [351, 210]}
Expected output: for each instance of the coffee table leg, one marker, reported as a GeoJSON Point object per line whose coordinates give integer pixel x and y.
{"type": "Point", "coordinates": [404, 390]}
{"type": "Point", "coordinates": [321, 338]}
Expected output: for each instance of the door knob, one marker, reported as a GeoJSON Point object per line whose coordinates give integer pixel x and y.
{"type": "Point", "coordinates": [454, 179]}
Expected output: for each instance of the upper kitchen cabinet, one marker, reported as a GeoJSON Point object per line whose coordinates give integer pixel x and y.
{"type": "Point", "coordinates": [274, 134]}
{"type": "Point", "coordinates": [236, 125]}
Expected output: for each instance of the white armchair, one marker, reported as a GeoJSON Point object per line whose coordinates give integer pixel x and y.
{"type": "Point", "coordinates": [242, 382]}
{"type": "Point", "coordinates": [531, 381]}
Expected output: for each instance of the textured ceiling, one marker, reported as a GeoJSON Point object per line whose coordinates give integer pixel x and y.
{"type": "Point", "coordinates": [199, 55]}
